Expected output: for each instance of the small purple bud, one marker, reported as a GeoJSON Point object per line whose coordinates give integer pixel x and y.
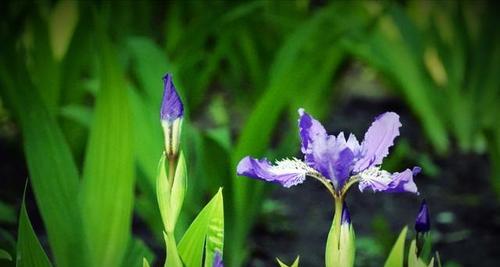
{"type": "Point", "coordinates": [171, 106]}
{"type": "Point", "coordinates": [171, 114]}
{"type": "Point", "coordinates": [346, 216]}
{"type": "Point", "coordinates": [218, 260]}
{"type": "Point", "coordinates": [422, 223]}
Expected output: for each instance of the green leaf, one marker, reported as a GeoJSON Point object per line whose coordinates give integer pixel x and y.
{"type": "Point", "coordinates": [149, 64]}
{"type": "Point", "coordinates": [396, 256]}
{"type": "Point", "coordinates": [170, 194]}
{"type": "Point", "coordinates": [108, 184]}
{"type": "Point", "coordinates": [192, 243]}
{"type": "Point", "coordinates": [4, 255]}
{"type": "Point", "coordinates": [145, 262]}
{"type": "Point", "coordinates": [179, 188]}
{"type": "Point", "coordinates": [215, 235]}
{"type": "Point", "coordinates": [173, 258]}
{"type": "Point", "coordinates": [29, 250]}
{"type": "Point", "coordinates": [294, 264]}
{"type": "Point", "coordinates": [50, 163]}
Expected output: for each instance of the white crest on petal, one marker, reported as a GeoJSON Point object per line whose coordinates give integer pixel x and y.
{"type": "Point", "coordinates": [295, 168]}
{"type": "Point", "coordinates": [375, 178]}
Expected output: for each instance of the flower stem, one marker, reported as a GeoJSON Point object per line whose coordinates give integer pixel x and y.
{"type": "Point", "coordinates": [332, 254]}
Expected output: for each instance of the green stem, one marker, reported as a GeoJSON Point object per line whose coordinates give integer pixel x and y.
{"type": "Point", "coordinates": [173, 258]}
{"type": "Point", "coordinates": [332, 243]}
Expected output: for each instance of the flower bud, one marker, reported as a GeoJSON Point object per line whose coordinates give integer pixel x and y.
{"type": "Point", "coordinates": [422, 223]}
{"type": "Point", "coordinates": [347, 240]}
{"type": "Point", "coordinates": [171, 115]}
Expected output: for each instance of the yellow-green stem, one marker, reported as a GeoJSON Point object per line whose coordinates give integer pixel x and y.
{"type": "Point", "coordinates": [333, 241]}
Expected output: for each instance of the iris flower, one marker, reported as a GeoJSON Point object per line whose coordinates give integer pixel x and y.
{"type": "Point", "coordinates": [338, 162]}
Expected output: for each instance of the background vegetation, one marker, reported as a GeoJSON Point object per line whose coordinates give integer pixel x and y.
{"type": "Point", "coordinates": [80, 87]}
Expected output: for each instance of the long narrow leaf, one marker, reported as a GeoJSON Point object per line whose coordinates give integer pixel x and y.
{"type": "Point", "coordinates": [53, 173]}
{"type": "Point", "coordinates": [108, 185]}
{"type": "Point", "coordinates": [193, 241]}
{"type": "Point", "coordinates": [29, 251]}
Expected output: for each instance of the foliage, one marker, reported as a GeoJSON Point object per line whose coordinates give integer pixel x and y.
{"type": "Point", "coordinates": [82, 82]}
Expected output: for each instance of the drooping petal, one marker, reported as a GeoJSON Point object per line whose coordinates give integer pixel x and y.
{"type": "Point", "coordinates": [288, 172]}
{"type": "Point", "coordinates": [375, 179]}
{"type": "Point", "coordinates": [382, 181]}
{"type": "Point", "coordinates": [171, 106]}
{"type": "Point", "coordinates": [325, 153]}
{"type": "Point", "coordinates": [403, 181]}
{"type": "Point", "coordinates": [378, 139]}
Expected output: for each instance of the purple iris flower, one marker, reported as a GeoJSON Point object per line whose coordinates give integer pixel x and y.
{"type": "Point", "coordinates": [171, 115]}
{"type": "Point", "coordinates": [218, 260]}
{"type": "Point", "coordinates": [336, 160]}
{"type": "Point", "coordinates": [422, 223]}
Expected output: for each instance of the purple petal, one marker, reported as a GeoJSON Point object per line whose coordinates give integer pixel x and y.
{"type": "Point", "coordinates": [422, 223]}
{"type": "Point", "coordinates": [403, 181]}
{"type": "Point", "coordinates": [171, 106]}
{"type": "Point", "coordinates": [310, 130]}
{"type": "Point", "coordinates": [378, 139]}
{"type": "Point", "coordinates": [374, 179]}
{"type": "Point", "coordinates": [218, 260]}
{"type": "Point", "coordinates": [328, 155]}
{"type": "Point", "coordinates": [287, 172]}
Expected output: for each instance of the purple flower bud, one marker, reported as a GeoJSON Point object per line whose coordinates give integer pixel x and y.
{"type": "Point", "coordinates": [422, 223]}
{"type": "Point", "coordinates": [171, 106]}
{"type": "Point", "coordinates": [346, 216]}
{"type": "Point", "coordinates": [218, 260]}
{"type": "Point", "coordinates": [171, 114]}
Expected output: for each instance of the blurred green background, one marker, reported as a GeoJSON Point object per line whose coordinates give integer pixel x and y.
{"type": "Point", "coordinates": [81, 86]}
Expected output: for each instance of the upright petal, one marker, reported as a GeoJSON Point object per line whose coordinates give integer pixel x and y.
{"type": "Point", "coordinates": [171, 106]}
{"type": "Point", "coordinates": [325, 153]}
{"type": "Point", "coordinates": [310, 130]}
{"type": "Point", "coordinates": [378, 139]}
{"type": "Point", "coordinates": [288, 172]}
